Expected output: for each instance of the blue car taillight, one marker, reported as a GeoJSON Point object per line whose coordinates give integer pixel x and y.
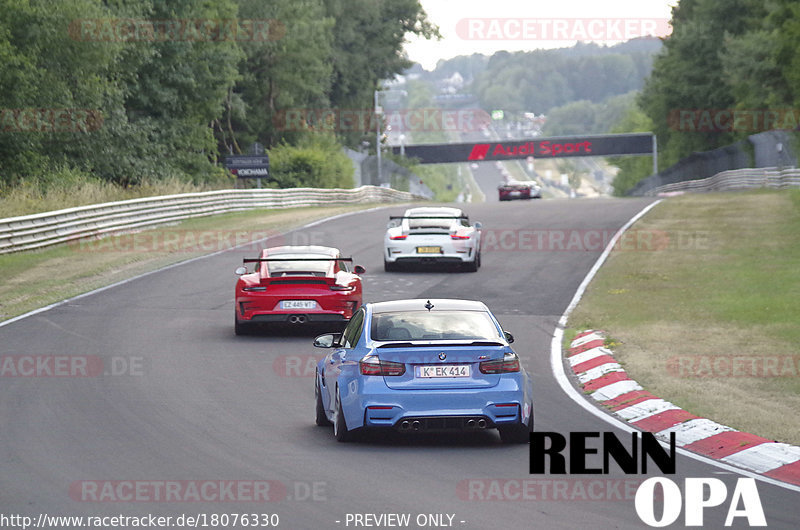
{"type": "Point", "coordinates": [508, 364]}
{"type": "Point", "coordinates": [374, 366]}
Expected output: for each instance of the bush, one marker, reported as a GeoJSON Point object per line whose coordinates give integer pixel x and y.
{"type": "Point", "coordinates": [316, 162]}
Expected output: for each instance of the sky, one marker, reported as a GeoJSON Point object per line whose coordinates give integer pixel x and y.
{"type": "Point", "coordinates": [487, 26]}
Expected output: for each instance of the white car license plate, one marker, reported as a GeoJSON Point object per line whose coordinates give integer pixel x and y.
{"type": "Point", "coordinates": [298, 304]}
{"type": "Point", "coordinates": [443, 370]}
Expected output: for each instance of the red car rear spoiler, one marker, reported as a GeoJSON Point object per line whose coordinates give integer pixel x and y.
{"type": "Point", "coordinates": [393, 217]}
{"type": "Point", "coordinates": [259, 260]}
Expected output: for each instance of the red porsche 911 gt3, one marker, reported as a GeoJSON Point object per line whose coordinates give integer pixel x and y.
{"type": "Point", "coordinates": [297, 285]}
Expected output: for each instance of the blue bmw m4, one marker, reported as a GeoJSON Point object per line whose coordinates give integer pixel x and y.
{"type": "Point", "coordinates": [423, 365]}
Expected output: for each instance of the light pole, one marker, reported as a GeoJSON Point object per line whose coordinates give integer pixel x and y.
{"type": "Point", "coordinates": [378, 115]}
{"type": "Point", "coordinates": [378, 137]}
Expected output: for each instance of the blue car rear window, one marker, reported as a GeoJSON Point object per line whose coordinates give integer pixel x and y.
{"type": "Point", "coordinates": [433, 325]}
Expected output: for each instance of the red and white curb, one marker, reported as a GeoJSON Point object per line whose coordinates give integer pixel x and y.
{"type": "Point", "coordinates": [606, 381]}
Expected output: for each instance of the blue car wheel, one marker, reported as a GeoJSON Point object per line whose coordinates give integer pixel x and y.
{"type": "Point", "coordinates": [339, 423]}
{"type": "Point", "coordinates": [321, 419]}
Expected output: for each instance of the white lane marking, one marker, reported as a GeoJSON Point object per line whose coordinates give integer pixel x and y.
{"type": "Point", "coordinates": [599, 371]}
{"type": "Point", "coordinates": [765, 457]}
{"type": "Point", "coordinates": [588, 355]}
{"type": "Point", "coordinates": [693, 431]}
{"type": "Point", "coordinates": [615, 390]}
{"type": "Point", "coordinates": [180, 263]}
{"type": "Point", "coordinates": [557, 368]}
{"type": "Point", "coordinates": [645, 409]}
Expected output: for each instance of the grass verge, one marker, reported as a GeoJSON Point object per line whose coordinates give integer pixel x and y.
{"type": "Point", "coordinates": [76, 189]}
{"type": "Point", "coordinates": [703, 300]}
{"type": "Point", "coordinates": [34, 279]}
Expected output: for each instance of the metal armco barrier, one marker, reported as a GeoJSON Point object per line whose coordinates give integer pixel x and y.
{"type": "Point", "coordinates": [736, 179]}
{"type": "Point", "coordinates": [50, 228]}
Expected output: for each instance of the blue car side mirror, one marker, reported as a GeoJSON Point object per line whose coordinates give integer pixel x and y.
{"type": "Point", "coordinates": [328, 340]}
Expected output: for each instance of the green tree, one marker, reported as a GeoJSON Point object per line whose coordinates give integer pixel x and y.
{"type": "Point", "coordinates": [43, 67]}
{"type": "Point", "coordinates": [542, 80]}
{"type": "Point", "coordinates": [632, 169]}
{"type": "Point", "coordinates": [578, 117]}
{"type": "Point", "coordinates": [175, 88]}
{"type": "Point", "coordinates": [368, 45]}
{"type": "Point", "coordinates": [689, 74]}
{"type": "Point", "coordinates": [586, 117]}
{"type": "Point", "coordinates": [155, 97]}
{"type": "Point", "coordinates": [291, 70]}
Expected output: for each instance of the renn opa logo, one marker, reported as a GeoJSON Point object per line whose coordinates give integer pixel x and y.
{"type": "Point", "coordinates": [698, 494]}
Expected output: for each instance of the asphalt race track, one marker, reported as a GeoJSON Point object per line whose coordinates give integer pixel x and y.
{"type": "Point", "coordinates": [201, 405]}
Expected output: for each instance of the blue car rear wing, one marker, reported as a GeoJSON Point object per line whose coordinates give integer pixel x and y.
{"type": "Point", "coordinates": [429, 344]}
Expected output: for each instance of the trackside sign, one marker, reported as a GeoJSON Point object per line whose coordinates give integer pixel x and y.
{"type": "Point", "coordinates": [248, 166]}
{"type": "Point", "coordinates": [555, 147]}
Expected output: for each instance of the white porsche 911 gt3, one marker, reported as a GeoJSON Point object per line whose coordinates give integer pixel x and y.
{"type": "Point", "coordinates": [432, 235]}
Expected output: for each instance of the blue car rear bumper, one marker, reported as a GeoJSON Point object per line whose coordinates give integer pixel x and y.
{"type": "Point", "coordinates": [376, 405]}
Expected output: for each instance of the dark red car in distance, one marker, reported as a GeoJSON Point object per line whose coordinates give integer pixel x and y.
{"type": "Point", "coordinates": [297, 285]}
{"type": "Point", "coordinates": [519, 190]}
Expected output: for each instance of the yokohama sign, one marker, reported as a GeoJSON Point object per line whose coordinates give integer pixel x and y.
{"type": "Point", "coordinates": [556, 147]}
{"type": "Point", "coordinates": [248, 166]}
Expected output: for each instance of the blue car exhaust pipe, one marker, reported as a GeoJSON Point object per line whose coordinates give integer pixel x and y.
{"type": "Point", "coordinates": [416, 425]}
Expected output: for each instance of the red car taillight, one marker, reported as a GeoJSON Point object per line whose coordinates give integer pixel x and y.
{"type": "Point", "coordinates": [342, 287]}
{"type": "Point", "coordinates": [401, 236]}
{"type": "Point", "coordinates": [260, 289]}
{"type": "Point", "coordinates": [506, 365]}
{"type": "Point", "coordinates": [374, 366]}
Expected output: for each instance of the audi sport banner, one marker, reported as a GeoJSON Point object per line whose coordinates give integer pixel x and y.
{"type": "Point", "coordinates": [555, 147]}
{"type": "Point", "coordinates": [248, 166]}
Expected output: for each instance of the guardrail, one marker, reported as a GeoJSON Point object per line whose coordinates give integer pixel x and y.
{"type": "Point", "coordinates": [736, 179]}
{"type": "Point", "coordinates": [50, 228]}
